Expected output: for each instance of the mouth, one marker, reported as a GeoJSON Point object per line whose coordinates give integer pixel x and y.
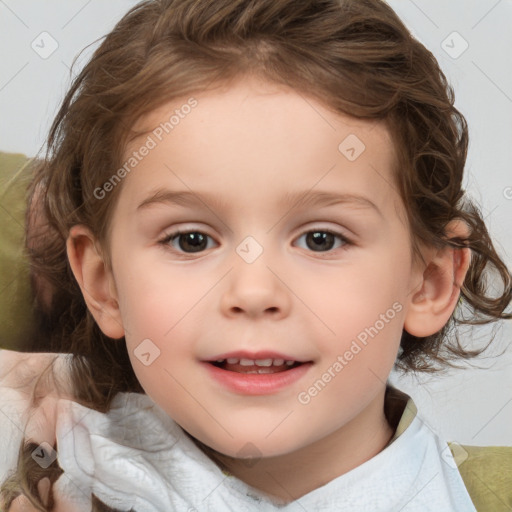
{"type": "Point", "coordinates": [260, 375]}
{"type": "Point", "coordinates": [264, 372]}
{"type": "Point", "coordinates": [256, 366]}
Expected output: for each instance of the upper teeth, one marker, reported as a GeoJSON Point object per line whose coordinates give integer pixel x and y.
{"type": "Point", "coordinates": [256, 362]}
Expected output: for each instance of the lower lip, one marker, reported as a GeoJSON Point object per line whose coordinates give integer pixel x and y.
{"type": "Point", "coordinates": [257, 383]}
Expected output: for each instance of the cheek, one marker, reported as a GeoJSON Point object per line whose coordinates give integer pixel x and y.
{"type": "Point", "coordinates": [157, 329]}
{"type": "Point", "coordinates": [359, 314]}
{"type": "Point", "coordinates": [348, 299]}
{"type": "Point", "coordinates": [153, 299]}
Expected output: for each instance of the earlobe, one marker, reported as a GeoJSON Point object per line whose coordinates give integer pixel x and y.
{"type": "Point", "coordinates": [95, 280]}
{"type": "Point", "coordinates": [435, 298]}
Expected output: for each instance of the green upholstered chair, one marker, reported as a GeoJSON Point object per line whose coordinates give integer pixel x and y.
{"type": "Point", "coordinates": [16, 317]}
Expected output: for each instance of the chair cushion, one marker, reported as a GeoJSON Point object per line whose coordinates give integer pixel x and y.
{"type": "Point", "coordinates": [16, 317]}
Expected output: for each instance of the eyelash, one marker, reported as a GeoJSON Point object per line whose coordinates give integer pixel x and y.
{"type": "Point", "coordinates": [171, 236]}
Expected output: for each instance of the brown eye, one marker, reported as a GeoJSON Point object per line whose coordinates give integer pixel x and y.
{"type": "Point", "coordinates": [321, 240]}
{"type": "Point", "coordinates": [187, 241]}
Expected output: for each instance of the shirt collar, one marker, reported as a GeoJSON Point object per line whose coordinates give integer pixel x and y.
{"type": "Point", "coordinates": [400, 410]}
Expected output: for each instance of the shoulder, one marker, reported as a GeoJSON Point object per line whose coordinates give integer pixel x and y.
{"type": "Point", "coordinates": [487, 474]}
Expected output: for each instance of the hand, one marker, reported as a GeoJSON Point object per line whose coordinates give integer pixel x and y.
{"type": "Point", "coordinates": [22, 504]}
{"type": "Point", "coordinates": [20, 372]}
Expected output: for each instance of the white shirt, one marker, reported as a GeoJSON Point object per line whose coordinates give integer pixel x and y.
{"type": "Point", "coordinates": [137, 457]}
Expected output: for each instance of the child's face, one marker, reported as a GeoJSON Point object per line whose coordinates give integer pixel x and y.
{"type": "Point", "coordinates": [255, 282]}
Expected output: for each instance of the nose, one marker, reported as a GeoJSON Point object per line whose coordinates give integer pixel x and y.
{"type": "Point", "coordinates": [256, 289]}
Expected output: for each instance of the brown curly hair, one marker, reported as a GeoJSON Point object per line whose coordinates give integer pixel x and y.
{"type": "Point", "coordinates": [354, 56]}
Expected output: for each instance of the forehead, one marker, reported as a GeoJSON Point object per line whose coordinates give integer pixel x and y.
{"type": "Point", "coordinates": [249, 133]}
{"type": "Point", "coordinates": [250, 100]}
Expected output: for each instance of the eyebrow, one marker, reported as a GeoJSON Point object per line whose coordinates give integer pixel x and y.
{"type": "Point", "coordinates": [305, 199]}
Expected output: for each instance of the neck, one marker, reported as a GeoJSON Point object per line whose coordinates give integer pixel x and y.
{"type": "Point", "coordinates": [290, 476]}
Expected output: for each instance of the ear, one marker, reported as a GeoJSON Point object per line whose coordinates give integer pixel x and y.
{"type": "Point", "coordinates": [435, 298]}
{"type": "Point", "coordinates": [95, 279]}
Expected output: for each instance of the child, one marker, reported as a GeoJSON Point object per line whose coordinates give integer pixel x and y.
{"type": "Point", "coordinates": [237, 373]}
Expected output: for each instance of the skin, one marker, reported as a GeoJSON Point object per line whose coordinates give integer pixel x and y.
{"type": "Point", "coordinates": [251, 144]}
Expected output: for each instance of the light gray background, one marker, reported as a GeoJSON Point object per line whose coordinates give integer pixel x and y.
{"type": "Point", "coordinates": [472, 406]}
